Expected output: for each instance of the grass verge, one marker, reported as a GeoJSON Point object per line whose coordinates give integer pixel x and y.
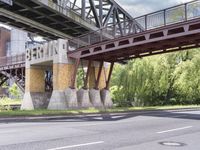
{"type": "Point", "coordinates": [17, 113]}
{"type": "Point", "coordinates": [7, 101]}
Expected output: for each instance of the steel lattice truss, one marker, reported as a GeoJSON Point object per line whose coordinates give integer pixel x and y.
{"type": "Point", "coordinates": [17, 75]}
{"type": "Point", "coordinates": [102, 13]}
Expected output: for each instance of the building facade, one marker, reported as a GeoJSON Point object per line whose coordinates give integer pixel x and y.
{"type": "Point", "coordinates": [12, 42]}
{"type": "Point", "coordinates": [5, 37]}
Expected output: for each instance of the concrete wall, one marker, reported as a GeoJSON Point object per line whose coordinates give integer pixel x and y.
{"type": "Point", "coordinates": [18, 42]}
{"type": "Point", "coordinates": [4, 41]}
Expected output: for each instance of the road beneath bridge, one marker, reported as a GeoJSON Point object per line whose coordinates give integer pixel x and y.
{"type": "Point", "coordinates": [138, 130]}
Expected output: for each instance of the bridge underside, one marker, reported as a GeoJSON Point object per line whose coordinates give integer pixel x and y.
{"type": "Point", "coordinates": [44, 20]}
{"type": "Point", "coordinates": [166, 39]}
{"type": "Point", "coordinates": [63, 19]}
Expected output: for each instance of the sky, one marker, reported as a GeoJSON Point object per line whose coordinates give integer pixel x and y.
{"type": "Point", "coordinates": [141, 7]}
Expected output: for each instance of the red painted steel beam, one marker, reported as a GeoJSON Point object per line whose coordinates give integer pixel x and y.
{"type": "Point", "coordinates": [109, 76]}
{"type": "Point", "coordinates": [87, 75]}
{"type": "Point", "coordinates": [149, 48]}
{"type": "Point", "coordinates": [124, 46]}
{"type": "Point", "coordinates": [73, 80]}
{"type": "Point", "coordinates": [99, 75]}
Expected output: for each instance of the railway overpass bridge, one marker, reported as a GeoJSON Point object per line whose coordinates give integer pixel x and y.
{"type": "Point", "coordinates": [55, 19]}
{"type": "Point", "coordinates": [172, 29]}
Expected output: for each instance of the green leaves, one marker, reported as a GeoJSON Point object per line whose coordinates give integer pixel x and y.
{"type": "Point", "coordinates": [158, 80]}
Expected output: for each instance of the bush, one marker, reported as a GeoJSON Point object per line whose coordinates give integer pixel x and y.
{"type": "Point", "coordinates": [14, 91]}
{"type": "Point", "coordinates": [4, 105]}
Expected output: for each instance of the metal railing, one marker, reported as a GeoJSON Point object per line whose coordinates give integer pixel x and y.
{"type": "Point", "coordinates": [11, 60]}
{"type": "Point", "coordinates": [172, 15]}
{"type": "Point", "coordinates": [64, 5]}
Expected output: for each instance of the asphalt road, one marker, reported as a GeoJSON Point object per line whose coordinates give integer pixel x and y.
{"type": "Point", "coordinates": [166, 130]}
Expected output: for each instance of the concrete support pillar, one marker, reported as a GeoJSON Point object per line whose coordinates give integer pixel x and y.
{"type": "Point", "coordinates": [95, 95]}
{"type": "Point", "coordinates": [93, 76]}
{"type": "Point", "coordinates": [34, 97]}
{"type": "Point", "coordinates": [83, 98]}
{"type": "Point", "coordinates": [62, 97]}
{"type": "Point", "coordinates": [62, 76]}
{"type": "Point", "coordinates": [106, 98]}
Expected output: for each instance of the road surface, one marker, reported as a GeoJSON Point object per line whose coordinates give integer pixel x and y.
{"type": "Point", "coordinates": [151, 130]}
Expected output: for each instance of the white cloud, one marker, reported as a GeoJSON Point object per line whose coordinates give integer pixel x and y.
{"type": "Point", "coordinates": [142, 7]}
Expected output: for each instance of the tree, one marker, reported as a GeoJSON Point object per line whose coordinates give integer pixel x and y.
{"type": "Point", "coordinates": [14, 91]}
{"type": "Point", "coordinates": [158, 80]}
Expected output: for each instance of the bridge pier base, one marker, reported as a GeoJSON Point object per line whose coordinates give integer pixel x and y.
{"type": "Point", "coordinates": [57, 101]}
{"type": "Point", "coordinates": [98, 75]}
{"type": "Point", "coordinates": [106, 98]}
{"type": "Point", "coordinates": [62, 97]}
{"type": "Point", "coordinates": [71, 98]}
{"type": "Point", "coordinates": [83, 98]}
{"type": "Point", "coordinates": [95, 98]}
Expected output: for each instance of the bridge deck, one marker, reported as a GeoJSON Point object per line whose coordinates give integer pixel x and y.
{"type": "Point", "coordinates": [12, 62]}
{"type": "Point", "coordinates": [168, 30]}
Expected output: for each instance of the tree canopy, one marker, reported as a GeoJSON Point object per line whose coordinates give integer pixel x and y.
{"type": "Point", "coordinates": [158, 80]}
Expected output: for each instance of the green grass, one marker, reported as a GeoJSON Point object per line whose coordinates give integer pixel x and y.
{"type": "Point", "coordinates": [10, 113]}
{"type": "Point", "coordinates": [8, 101]}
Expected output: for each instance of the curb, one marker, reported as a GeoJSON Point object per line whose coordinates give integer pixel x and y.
{"type": "Point", "coordinates": [71, 116]}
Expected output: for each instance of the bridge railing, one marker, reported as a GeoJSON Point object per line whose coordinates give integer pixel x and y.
{"type": "Point", "coordinates": [109, 32]}
{"type": "Point", "coordinates": [172, 15]}
{"type": "Point", "coordinates": [10, 60]}
{"type": "Point", "coordinates": [65, 5]}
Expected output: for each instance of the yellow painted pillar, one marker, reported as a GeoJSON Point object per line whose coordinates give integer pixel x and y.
{"type": "Point", "coordinates": [34, 81]}
{"type": "Point", "coordinates": [94, 93]}
{"type": "Point", "coordinates": [62, 74]}
{"type": "Point", "coordinates": [93, 76]}
{"type": "Point", "coordinates": [34, 89]}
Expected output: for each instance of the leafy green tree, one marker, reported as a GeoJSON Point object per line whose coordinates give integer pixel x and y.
{"type": "Point", "coordinates": [14, 91]}
{"type": "Point", "coordinates": [158, 80]}
{"type": "Point", "coordinates": [80, 77]}
{"type": "Point", "coordinates": [187, 83]}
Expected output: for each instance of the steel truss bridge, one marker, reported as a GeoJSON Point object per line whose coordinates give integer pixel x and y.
{"type": "Point", "coordinates": [62, 18]}
{"type": "Point", "coordinates": [105, 32]}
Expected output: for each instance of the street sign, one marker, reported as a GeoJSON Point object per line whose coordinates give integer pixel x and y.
{"type": "Point", "coordinates": [9, 2]}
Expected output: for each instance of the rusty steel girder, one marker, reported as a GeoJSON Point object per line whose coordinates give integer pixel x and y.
{"type": "Point", "coordinates": [179, 36]}
{"type": "Point", "coordinates": [15, 74]}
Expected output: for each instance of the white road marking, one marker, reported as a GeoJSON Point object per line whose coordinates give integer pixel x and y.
{"type": "Point", "coordinates": [78, 145]}
{"type": "Point", "coordinates": [116, 117]}
{"type": "Point", "coordinates": [178, 116]}
{"type": "Point", "coordinates": [177, 129]}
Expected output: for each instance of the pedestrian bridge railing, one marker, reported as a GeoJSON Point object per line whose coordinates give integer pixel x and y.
{"type": "Point", "coordinates": [12, 60]}
{"type": "Point", "coordinates": [63, 6]}
{"type": "Point", "coordinates": [165, 17]}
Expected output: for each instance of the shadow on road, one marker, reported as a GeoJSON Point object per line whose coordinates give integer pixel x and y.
{"type": "Point", "coordinates": [106, 117]}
